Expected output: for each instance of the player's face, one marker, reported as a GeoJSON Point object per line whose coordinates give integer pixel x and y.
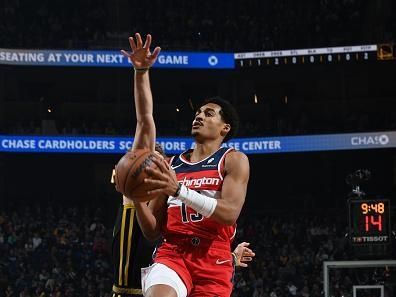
{"type": "Point", "coordinates": [208, 123]}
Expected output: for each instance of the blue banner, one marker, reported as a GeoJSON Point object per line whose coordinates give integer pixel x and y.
{"type": "Point", "coordinates": [261, 145]}
{"type": "Point", "coordinates": [188, 60]}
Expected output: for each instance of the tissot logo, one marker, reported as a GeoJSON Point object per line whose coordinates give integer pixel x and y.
{"type": "Point", "coordinates": [383, 238]}
{"type": "Point", "coordinates": [370, 140]}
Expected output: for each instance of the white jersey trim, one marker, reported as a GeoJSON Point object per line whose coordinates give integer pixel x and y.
{"type": "Point", "coordinates": [174, 167]}
{"type": "Point", "coordinates": [233, 235]}
{"type": "Point", "coordinates": [181, 157]}
{"type": "Point", "coordinates": [221, 161]}
{"type": "Point", "coordinates": [171, 160]}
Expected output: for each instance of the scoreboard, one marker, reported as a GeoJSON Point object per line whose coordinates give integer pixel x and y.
{"type": "Point", "coordinates": [369, 221]}
{"type": "Point", "coordinates": [326, 55]}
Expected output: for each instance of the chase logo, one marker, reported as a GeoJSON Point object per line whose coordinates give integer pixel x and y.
{"type": "Point", "coordinates": [370, 140]}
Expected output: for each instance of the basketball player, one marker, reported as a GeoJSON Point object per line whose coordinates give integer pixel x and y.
{"type": "Point", "coordinates": [207, 189]}
{"type": "Point", "coordinates": [130, 250]}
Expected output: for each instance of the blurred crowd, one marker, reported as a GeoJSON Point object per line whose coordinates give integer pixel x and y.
{"type": "Point", "coordinates": [54, 252]}
{"type": "Point", "coordinates": [290, 250]}
{"type": "Point", "coordinates": [57, 251]}
{"type": "Point", "coordinates": [196, 25]}
{"type": "Point", "coordinates": [285, 123]}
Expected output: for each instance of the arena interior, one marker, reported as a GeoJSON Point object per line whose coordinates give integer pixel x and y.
{"type": "Point", "coordinates": [313, 82]}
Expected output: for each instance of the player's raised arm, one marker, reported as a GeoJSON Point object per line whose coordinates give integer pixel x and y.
{"type": "Point", "coordinates": [142, 59]}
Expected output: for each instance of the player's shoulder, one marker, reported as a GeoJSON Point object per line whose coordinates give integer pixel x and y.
{"type": "Point", "coordinates": [237, 164]}
{"type": "Point", "coordinates": [236, 158]}
{"type": "Point", "coordinates": [236, 155]}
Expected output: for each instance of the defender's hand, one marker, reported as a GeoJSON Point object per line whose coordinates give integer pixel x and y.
{"type": "Point", "coordinates": [141, 57]}
{"type": "Point", "coordinates": [243, 254]}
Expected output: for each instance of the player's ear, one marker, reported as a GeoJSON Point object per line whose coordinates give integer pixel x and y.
{"type": "Point", "coordinates": [225, 130]}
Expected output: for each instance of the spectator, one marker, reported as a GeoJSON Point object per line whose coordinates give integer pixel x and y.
{"type": "Point", "coordinates": [220, 26]}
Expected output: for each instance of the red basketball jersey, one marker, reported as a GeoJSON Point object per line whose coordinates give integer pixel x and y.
{"type": "Point", "coordinates": [205, 177]}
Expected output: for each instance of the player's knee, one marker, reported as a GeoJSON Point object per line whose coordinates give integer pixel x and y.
{"type": "Point", "coordinates": [160, 291]}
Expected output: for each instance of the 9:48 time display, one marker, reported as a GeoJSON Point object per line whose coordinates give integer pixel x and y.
{"type": "Point", "coordinates": [369, 221]}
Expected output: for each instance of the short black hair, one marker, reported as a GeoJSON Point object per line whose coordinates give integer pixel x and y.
{"type": "Point", "coordinates": [228, 114]}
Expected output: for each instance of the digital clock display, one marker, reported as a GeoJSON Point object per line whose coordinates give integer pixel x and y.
{"type": "Point", "coordinates": [369, 221]}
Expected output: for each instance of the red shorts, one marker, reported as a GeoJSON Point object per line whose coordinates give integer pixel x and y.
{"type": "Point", "coordinates": [205, 267]}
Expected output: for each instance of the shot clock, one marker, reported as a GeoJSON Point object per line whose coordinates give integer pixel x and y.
{"type": "Point", "coordinates": [369, 221]}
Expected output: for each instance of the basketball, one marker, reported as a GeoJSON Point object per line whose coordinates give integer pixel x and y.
{"type": "Point", "coordinates": [130, 174]}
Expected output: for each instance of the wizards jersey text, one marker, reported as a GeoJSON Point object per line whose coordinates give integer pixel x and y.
{"type": "Point", "coordinates": [205, 177]}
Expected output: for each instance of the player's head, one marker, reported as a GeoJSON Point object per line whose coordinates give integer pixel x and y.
{"type": "Point", "coordinates": [215, 118]}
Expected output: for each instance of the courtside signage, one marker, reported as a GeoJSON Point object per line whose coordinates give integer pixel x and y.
{"type": "Point", "coordinates": [188, 60]}
{"type": "Point", "coordinates": [258, 145]}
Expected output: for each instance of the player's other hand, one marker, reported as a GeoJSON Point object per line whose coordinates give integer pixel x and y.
{"type": "Point", "coordinates": [141, 57]}
{"type": "Point", "coordinates": [244, 255]}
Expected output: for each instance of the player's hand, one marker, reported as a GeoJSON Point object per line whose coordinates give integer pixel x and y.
{"type": "Point", "coordinates": [141, 57]}
{"type": "Point", "coordinates": [244, 255]}
{"type": "Point", "coordinates": [162, 180]}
